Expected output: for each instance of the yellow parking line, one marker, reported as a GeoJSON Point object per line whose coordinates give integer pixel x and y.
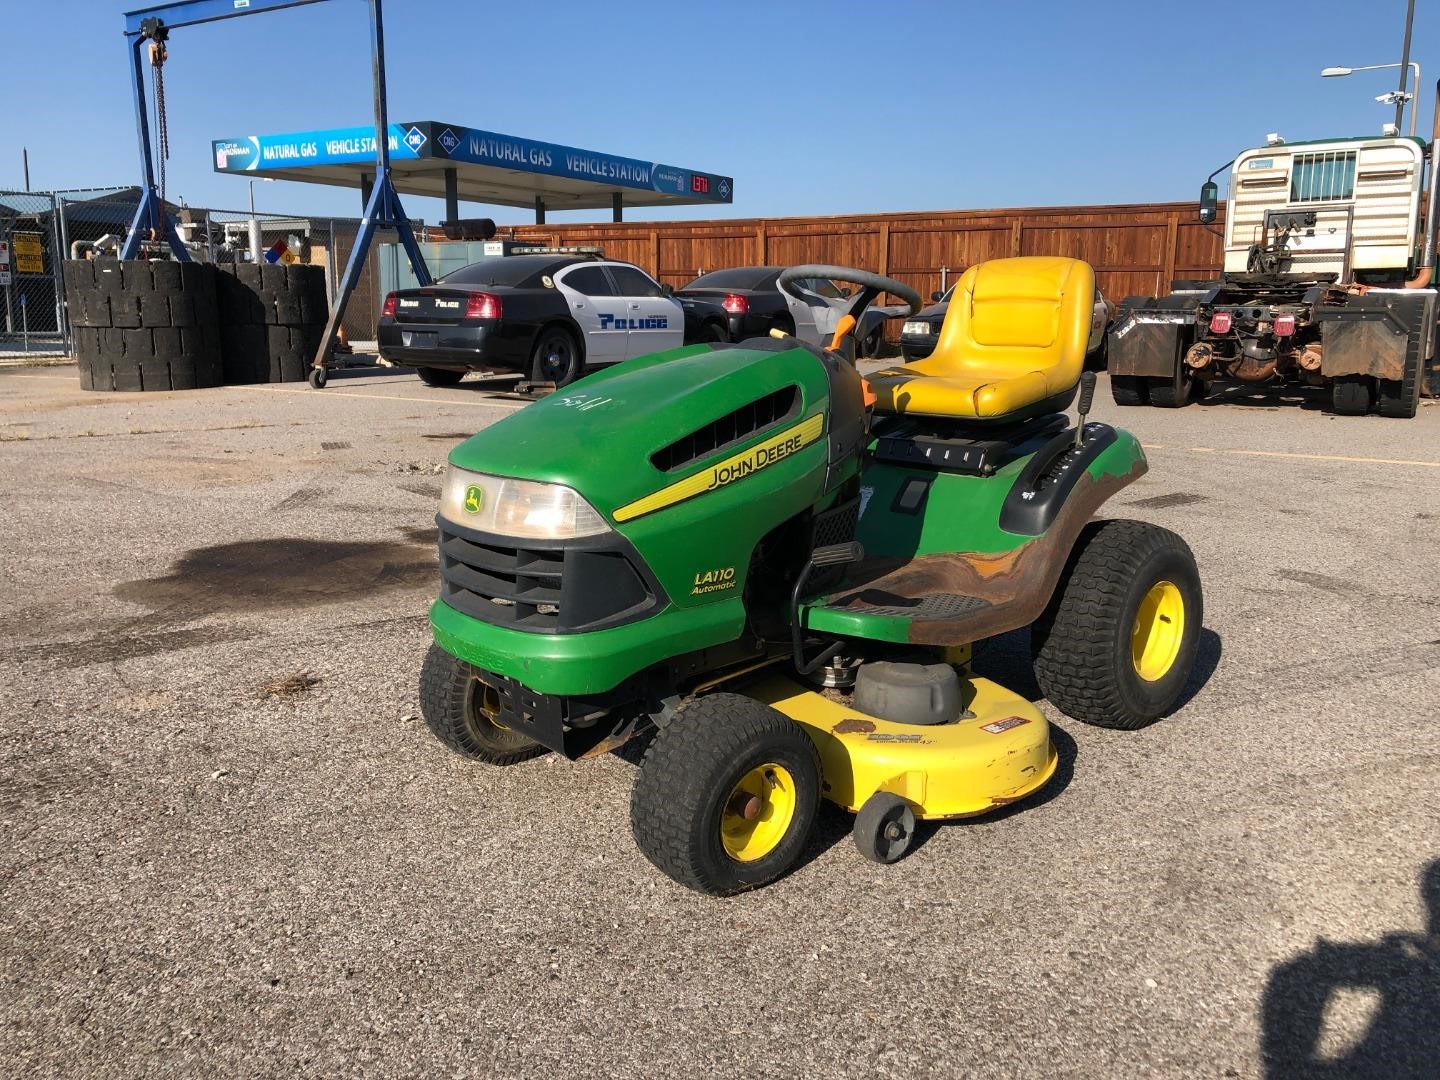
{"type": "Point", "coordinates": [393, 397]}
{"type": "Point", "coordinates": [52, 378]}
{"type": "Point", "coordinates": [1297, 456]}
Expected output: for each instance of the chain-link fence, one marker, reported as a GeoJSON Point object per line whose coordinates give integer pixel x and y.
{"type": "Point", "coordinates": [40, 230]}
{"type": "Point", "coordinates": [32, 292]}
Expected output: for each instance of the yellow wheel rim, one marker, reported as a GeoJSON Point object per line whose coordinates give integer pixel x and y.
{"type": "Point", "coordinates": [1159, 628]}
{"type": "Point", "coordinates": [757, 812]}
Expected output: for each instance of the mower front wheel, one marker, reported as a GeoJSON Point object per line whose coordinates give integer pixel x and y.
{"type": "Point", "coordinates": [1116, 644]}
{"type": "Point", "coordinates": [457, 711]}
{"type": "Point", "coordinates": [726, 795]}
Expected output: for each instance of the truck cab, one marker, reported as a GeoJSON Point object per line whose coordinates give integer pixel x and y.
{"type": "Point", "coordinates": [1326, 282]}
{"type": "Point", "coordinates": [1341, 209]}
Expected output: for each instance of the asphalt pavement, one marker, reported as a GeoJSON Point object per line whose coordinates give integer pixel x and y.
{"type": "Point", "coordinates": [230, 847]}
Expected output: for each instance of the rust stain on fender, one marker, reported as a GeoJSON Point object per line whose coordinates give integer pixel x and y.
{"type": "Point", "coordinates": [853, 725]}
{"type": "Point", "coordinates": [1017, 584]}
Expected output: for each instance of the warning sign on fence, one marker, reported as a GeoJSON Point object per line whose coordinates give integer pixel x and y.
{"type": "Point", "coordinates": [29, 253]}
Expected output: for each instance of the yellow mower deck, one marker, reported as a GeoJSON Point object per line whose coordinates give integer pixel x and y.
{"type": "Point", "coordinates": [996, 756]}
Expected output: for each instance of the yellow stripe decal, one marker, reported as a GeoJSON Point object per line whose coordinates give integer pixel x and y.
{"type": "Point", "coordinates": [733, 468]}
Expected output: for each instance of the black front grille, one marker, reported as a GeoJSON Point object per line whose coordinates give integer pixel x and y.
{"type": "Point", "coordinates": [547, 587]}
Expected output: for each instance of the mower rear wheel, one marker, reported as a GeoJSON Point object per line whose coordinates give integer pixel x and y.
{"type": "Point", "coordinates": [726, 795]}
{"type": "Point", "coordinates": [454, 704]}
{"type": "Point", "coordinates": [1116, 644]}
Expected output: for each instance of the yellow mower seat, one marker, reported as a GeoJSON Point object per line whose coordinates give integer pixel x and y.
{"type": "Point", "coordinates": [1012, 346]}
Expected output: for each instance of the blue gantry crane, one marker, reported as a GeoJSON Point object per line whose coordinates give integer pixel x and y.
{"type": "Point", "coordinates": [147, 32]}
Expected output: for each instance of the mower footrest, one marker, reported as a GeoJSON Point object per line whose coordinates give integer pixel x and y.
{"type": "Point", "coordinates": [926, 608]}
{"type": "Point", "coordinates": [891, 617]}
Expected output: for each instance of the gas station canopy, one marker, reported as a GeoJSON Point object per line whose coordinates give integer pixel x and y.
{"type": "Point", "coordinates": [454, 163]}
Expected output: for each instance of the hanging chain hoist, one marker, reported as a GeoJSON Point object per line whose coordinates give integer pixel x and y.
{"type": "Point", "coordinates": [159, 33]}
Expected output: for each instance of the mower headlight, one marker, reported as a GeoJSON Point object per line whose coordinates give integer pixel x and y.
{"type": "Point", "coordinates": [918, 328]}
{"type": "Point", "coordinates": [519, 508]}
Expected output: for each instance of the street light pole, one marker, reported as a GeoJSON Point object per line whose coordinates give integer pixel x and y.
{"type": "Point", "coordinates": [1404, 71]}
{"type": "Point", "coordinates": [1401, 99]}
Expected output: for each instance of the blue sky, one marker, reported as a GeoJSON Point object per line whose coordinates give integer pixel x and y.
{"type": "Point", "coordinates": [814, 108]}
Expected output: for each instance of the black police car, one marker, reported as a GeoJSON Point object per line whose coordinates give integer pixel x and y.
{"type": "Point", "coordinates": [549, 317]}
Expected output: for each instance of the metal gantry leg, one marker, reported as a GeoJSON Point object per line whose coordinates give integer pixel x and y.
{"type": "Point", "coordinates": [150, 213]}
{"type": "Point", "coordinates": [382, 210]}
{"type": "Point", "coordinates": [382, 202]}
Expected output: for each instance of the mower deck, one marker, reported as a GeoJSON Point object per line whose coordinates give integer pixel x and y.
{"type": "Point", "coordinates": [996, 754]}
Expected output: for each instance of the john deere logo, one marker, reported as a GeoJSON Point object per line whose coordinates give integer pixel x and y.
{"type": "Point", "coordinates": [474, 497]}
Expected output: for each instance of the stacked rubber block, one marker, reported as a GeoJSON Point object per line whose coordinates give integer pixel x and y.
{"type": "Point", "coordinates": [272, 319]}
{"type": "Point", "coordinates": [144, 325]}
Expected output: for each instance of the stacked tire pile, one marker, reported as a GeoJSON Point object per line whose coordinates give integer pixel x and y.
{"type": "Point", "coordinates": [144, 325]}
{"type": "Point", "coordinates": [272, 319]}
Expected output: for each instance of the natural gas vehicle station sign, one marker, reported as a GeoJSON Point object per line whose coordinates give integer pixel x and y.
{"type": "Point", "coordinates": [486, 166]}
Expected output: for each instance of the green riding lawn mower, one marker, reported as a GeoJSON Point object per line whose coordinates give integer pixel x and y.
{"type": "Point", "coordinates": [772, 570]}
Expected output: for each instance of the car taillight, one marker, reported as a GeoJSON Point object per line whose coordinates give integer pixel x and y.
{"type": "Point", "coordinates": [1284, 325]}
{"type": "Point", "coordinates": [483, 305]}
{"type": "Point", "coordinates": [389, 309]}
{"type": "Point", "coordinates": [735, 304]}
{"type": "Point", "coordinates": [1220, 322]}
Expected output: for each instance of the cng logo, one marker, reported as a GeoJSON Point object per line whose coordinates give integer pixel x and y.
{"type": "Point", "coordinates": [415, 139]}
{"type": "Point", "coordinates": [448, 141]}
{"type": "Point", "coordinates": [474, 499]}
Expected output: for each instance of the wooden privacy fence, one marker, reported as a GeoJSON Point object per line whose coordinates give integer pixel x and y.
{"type": "Point", "coordinates": [1135, 250]}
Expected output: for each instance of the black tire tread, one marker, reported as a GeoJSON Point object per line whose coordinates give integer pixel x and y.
{"type": "Point", "coordinates": [1399, 399]}
{"type": "Point", "coordinates": [1071, 641]}
{"type": "Point", "coordinates": [444, 689]}
{"type": "Point", "coordinates": [1170, 393]}
{"type": "Point", "coordinates": [673, 775]}
{"type": "Point", "coordinates": [432, 376]}
{"type": "Point", "coordinates": [1350, 395]}
{"type": "Point", "coordinates": [536, 375]}
{"type": "Point", "coordinates": [1129, 390]}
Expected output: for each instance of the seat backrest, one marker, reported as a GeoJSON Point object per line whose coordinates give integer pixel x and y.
{"type": "Point", "coordinates": [1010, 317]}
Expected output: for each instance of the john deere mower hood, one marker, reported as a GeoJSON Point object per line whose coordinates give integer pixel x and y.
{"type": "Point", "coordinates": [632, 431]}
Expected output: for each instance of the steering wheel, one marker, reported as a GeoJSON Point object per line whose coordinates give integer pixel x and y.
{"type": "Point", "coordinates": [872, 286]}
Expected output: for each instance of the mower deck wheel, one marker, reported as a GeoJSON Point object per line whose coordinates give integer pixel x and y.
{"type": "Point", "coordinates": [884, 827]}
{"type": "Point", "coordinates": [726, 795]}
{"type": "Point", "coordinates": [455, 706]}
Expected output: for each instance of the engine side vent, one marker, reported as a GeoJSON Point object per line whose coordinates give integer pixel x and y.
{"type": "Point", "coordinates": [728, 429]}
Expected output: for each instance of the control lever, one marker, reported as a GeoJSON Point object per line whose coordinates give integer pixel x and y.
{"type": "Point", "coordinates": [1087, 395]}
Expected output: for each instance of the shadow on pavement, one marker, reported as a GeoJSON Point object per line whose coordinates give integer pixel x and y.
{"type": "Point", "coordinates": [1309, 398]}
{"type": "Point", "coordinates": [1400, 973]}
{"type": "Point", "coordinates": [1006, 660]}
